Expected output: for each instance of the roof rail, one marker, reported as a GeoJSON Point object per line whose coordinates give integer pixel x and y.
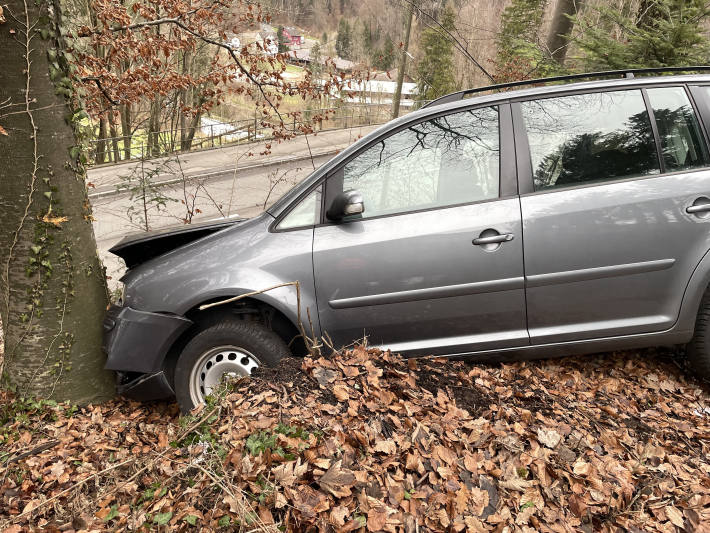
{"type": "Point", "coordinates": [627, 73]}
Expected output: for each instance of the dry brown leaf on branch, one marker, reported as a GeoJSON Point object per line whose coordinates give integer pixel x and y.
{"type": "Point", "coordinates": [2, 20]}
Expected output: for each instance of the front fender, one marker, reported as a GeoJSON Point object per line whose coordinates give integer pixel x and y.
{"type": "Point", "coordinates": [283, 299]}
{"type": "Point", "coordinates": [243, 259]}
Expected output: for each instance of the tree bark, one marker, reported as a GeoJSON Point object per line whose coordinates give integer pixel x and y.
{"type": "Point", "coordinates": [561, 28]}
{"type": "Point", "coordinates": [191, 130]}
{"type": "Point", "coordinates": [154, 127]}
{"type": "Point", "coordinates": [114, 138]}
{"type": "Point", "coordinates": [126, 130]}
{"type": "Point", "coordinates": [185, 101]}
{"type": "Point", "coordinates": [101, 142]}
{"type": "Point", "coordinates": [403, 64]}
{"type": "Point", "coordinates": [52, 287]}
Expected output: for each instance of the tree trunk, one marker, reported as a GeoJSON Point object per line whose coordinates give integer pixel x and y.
{"type": "Point", "coordinates": [126, 130]}
{"type": "Point", "coordinates": [185, 136]}
{"type": "Point", "coordinates": [114, 138]}
{"type": "Point", "coordinates": [52, 287]}
{"type": "Point", "coordinates": [561, 28]}
{"type": "Point", "coordinates": [154, 128]}
{"type": "Point", "coordinates": [101, 143]}
{"type": "Point", "coordinates": [187, 140]}
{"type": "Point", "coordinates": [403, 63]}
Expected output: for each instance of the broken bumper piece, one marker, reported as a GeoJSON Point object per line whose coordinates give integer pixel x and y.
{"type": "Point", "coordinates": [136, 343]}
{"type": "Point", "coordinates": [144, 387]}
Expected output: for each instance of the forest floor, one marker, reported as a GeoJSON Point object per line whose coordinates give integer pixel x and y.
{"type": "Point", "coordinates": [366, 441]}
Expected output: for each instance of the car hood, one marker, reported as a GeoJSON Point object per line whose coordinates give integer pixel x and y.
{"type": "Point", "coordinates": [138, 248]}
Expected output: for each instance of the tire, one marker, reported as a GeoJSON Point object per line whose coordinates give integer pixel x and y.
{"type": "Point", "coordinates": [230, 346]}
{"type": "Point", "coordinates": [698, 350]}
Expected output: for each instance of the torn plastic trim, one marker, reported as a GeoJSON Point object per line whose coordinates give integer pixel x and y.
{"type": "Point", "coordinates": [145, 387]}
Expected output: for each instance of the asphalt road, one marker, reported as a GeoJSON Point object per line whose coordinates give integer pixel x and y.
{"type": "Point", "coordinates": [204, 185]}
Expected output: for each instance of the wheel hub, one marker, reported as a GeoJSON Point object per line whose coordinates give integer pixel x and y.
{"type": "Point", "coordinates": [215, 365]}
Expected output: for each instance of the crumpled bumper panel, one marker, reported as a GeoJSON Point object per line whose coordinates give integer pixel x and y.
{"type": "Point", "coordinates": [145, 387]}
{"type": "Point", "coordinates": [137, 341]}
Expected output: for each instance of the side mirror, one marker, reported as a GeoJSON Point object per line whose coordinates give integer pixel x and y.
{"type": "Point", "coordinates": [347, 203]}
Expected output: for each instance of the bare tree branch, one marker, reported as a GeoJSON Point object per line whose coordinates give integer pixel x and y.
{"type": "Point", "coordinates": [459, 45]}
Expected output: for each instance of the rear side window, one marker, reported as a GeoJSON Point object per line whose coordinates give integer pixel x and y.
{"type": "Point", "coordinates": [678, 129]}
{"type": "Point", "coordinates": [448, 160]}
{"type": "Point", "coordinates": [589, 138]}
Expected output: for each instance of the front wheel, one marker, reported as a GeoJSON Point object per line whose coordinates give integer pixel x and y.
{"type": "Point", "coordinates": [228, 348]}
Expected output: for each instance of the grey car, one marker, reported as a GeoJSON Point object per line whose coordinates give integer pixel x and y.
{"type": "Point", "coordinates": [538, 222]}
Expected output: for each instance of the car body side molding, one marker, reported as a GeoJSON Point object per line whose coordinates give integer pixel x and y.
{"type": "Point", "coordinates": [585, 274]}
{"type": "Point", "coordinates": [429, 293]}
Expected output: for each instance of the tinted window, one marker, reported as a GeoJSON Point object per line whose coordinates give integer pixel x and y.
{"type": "Point", "coordinates": [449, 160]}
{"type": "Point", "coordinates": [589, 138]}
{"type": "Point", "coordinates": [678, 128]}
{"type": "Point", "coordinates": [306, 213]}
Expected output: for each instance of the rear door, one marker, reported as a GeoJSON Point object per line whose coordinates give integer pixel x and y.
{"type": "Point", "coordinates": [435, 264]}
{"type": "Point", "coordinates": [615, 202]}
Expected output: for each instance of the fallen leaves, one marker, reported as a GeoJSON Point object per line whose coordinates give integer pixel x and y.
{"type": "Point", "coordinates": [364, 441]}
{"type": "Point", "coordinates": [548, 437]}
{"type": "Point", "coordinates": [337, 481]}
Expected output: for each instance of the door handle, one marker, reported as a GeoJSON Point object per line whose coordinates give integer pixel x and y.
{"type": "Point", "coordinates": [493, 239]}
{"type": "Point", "coordinates": [700, 208]}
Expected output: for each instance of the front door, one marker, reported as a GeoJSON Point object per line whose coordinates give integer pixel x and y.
{"type": "Point", "coordinates": [434, 265]}
{"type": "Point", "coordinates": [611, 234]}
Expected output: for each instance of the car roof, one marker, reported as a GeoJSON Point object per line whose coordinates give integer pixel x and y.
{"type": "Point", "coordinates": [551, 89]}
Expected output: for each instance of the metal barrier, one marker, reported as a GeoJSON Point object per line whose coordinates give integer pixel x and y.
{"type": "Point", "coordinates": [161, 143]}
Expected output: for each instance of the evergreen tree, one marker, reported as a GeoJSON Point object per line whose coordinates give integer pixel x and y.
{"type": "Point", "coordinates": [519, 53]}
{"type": "Point", "coordinates": [384, 59]}
{"type": "Point", "coordinates": [366, 39]}
{"type": "Point", "coordinates": [662, 33]}
{"type": "Point", "coordinates": [343, 42]}
{"type": "Point", "coordinates": [324, 38]}
{"type": "Point", "coordinates": [281, 39]}
{"type": "Point", "coordinates": [435, 71]}
{"type": "Point", "coordinates": [315, 66]}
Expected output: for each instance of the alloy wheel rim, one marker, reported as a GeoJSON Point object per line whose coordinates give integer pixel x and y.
{"type": "Point", "coordinates": [216, 363]}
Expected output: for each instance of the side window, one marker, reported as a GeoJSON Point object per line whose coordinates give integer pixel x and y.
{"type": "Point", "coordinates": [589, 138]}
{"type": "Point", "coordinates": [305, 214]}
{"type": "Point", "coordinates": [678, 128]}
{"type": "Point", "coordinates": [453, 159]}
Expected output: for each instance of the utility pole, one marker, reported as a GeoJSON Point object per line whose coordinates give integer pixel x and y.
{"type": "Point", "coordinates": [403, 63]}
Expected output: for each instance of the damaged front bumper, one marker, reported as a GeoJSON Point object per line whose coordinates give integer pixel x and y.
{"type": "Point", "coordinates": [136, 343]}
{"type": "Point", "coordinates": [143, 387]}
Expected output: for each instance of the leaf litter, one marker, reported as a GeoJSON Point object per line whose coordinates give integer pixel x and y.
{"type": "Point", "coordinates": [367, 441]}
